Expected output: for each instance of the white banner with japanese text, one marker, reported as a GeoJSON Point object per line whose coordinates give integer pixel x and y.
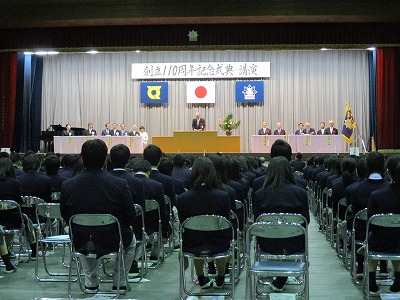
{"type": "Point", "coordinates": [156, 71]}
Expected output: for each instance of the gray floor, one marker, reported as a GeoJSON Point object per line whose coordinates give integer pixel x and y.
{"type": "Point", "coordinates": [328, 279]}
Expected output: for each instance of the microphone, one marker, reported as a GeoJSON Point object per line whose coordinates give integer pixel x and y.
{"type": "Point", "coordinates": [48, 128]}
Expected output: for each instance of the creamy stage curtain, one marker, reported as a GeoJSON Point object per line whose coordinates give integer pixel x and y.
{"type": "Point", "coordinates": [305, 86]}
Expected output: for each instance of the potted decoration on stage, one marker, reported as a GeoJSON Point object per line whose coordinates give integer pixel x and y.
{"type": "Point", "coordinates": [228, 124]}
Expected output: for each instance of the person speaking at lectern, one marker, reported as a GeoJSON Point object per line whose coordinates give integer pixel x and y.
{"type": "Point", "coordinates": [198, 123]}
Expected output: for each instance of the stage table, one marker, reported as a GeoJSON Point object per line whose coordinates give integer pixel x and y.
{"type": "Point", "coordinates": [300, 143]}
{"type": "Point", "coordinates": [73, 144]}
{"type": "Point", "coordinates": [197, 142]}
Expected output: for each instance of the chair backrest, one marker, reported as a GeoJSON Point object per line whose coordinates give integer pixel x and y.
{"type": "Point", "coordinates": [206, 223]}
{"type": "Point", "coordinates": [298, 173]}
{"type": "Point", "coordinates": [48, 210]}
{"type": "Point", "coordinates": [151, 204]}
{"type": "Point", "coordinates": [56, 196]}
{"type": "Point", "coordinates": [385, 220]}
{"type": "Point", "coordinates": [275, 230]}
{"type": "Point", "coordinates": [360, 216]}
{"type": "Point", "coordinates": [12, 205]}
{"type": "Point", "coordinates": [31, 201]}
{"type": "Point", "coordinates": [282, 218]}
{"type": "Point", "coordinates": [341, 206]}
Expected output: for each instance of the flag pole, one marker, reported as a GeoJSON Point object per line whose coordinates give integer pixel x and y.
{"type": "Point", "coordinates": [359, 135]}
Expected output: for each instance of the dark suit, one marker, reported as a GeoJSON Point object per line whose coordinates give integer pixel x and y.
{"type": "Point", "coordinates": [115, 132]}
{"type": "Point", "coordinates": [328, 131]}
{"type": "Point", "coordinates": [88, 132]}
{"type": "Point", "coordinates": [292, 199]}
{"type": "Point", "coordinates": [201, 202]}
{"type": "Point", "coordinates": [66, 133]}
{"type": "Point", "coordinates": [298, 165]}
{"type": "Point", "coordinates": [198, 125]}
{"type": "Point", "coordinates": [95, 191]}
{"type": "Point", "coordinates": [381, 202]}
{"type": "Point", "coordinates": [18, 171]}
{"type": "Point", "coordinates": [10, 189]}
{"type": "Point", "coordinates": [56, 182]}
{"type": "Point", "coordinates": [309, 131]}
{"type": "Point", "coordinates": [35, 184]}
{"type": "Point", "coordinates": [264, 131]}
{"type": "Point", "coordinates": [339, 192]}
{"type": "Point", "coordinates": [183, 174]}
{"type": "Point", "coordinates": [167, 183]}
{"type": "Point", "coordinates": [298, 132]}
{"type": "Point", "coordinates": [276, 132]}
{"type": "Point", "coordinates": [321, 131]}
{"type": "Point", "coordinates": [104, 132]}
{"type": "Point", "coordinates": [134, 133]}
{"type": "Point", "coordinates": [153, 190]}
{"type": "Point", "coordinates": [137, 191]}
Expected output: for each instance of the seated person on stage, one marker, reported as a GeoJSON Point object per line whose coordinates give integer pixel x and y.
{"type": "Point", "coordinates": [123, 131]}
{"type": "Point", "coordinates": [205, 198]}
{"type": "Point", "coordinates": [90, 131]}
{"type": "Point", "coordinates": [280, 194]}
{"type": "Point", "coordinates": [114, 130]}
{"type": "Point", "coordinates": [321, 129]}
{"type": "Point", "coordinates": [134, 131]}
{"type": "Point", "coordinates": [94, 191]}
{"type": "Point", "coordinates": [300, 130]}
{"type": "Point", "coordinates": [198, 123]}
{"type": "Point", "coordinates": [144, 135]}
{"type": "Point", "coordinates": [308, 129]}
{"type": "Point", "coordinates": [279, 130]}
{"type": "Point", "coordinates": [331, 129]}
{"type": "Point", "coordinates": [106, 130]}
{"type": "Point", "coordinates": [264, 130]}
{"type": "Point", "coordinates": [385, 201]}
{"type": "Point", "coordinates": [68, 131]}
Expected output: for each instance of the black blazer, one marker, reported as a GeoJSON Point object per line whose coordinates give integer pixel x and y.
{"type": "Point", "coordinates": [202, 124]}
{"type": "Point", "coordinates": [87, 133]}
{"type": "Point", "coordinates": [310, 131]}
{"type": "Point", "coordinates": [10, 189]}
{"type": "Point", "coordinates": [154, 190]}
{"type": "Point", "coordinates": [98, 192]}
{"type": "Point", "coordinates": [283, 132]}
{"type": "Point", "coordinates": [267, 131]}
{"type": "Point", "coordinates": [183, 174]}
{"type": "Point", "coordinates": [328, 131]}
{"type": "Point", "coordinates": [167, 183]}
{"type": "Point", "coordinates": [137, 190]}
{"type": "Point", "coordinates": [66, 133]}
{"type": "Point", "coordinates": [35, 184]}
{"type": "Point", "coordinates": [381, 202]}
{"type": "Point", "coordinates": [201, 202]}
{"type": "Point", "coordinates": [292, 199]}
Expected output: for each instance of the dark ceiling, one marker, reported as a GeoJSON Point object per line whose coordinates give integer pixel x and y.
{"type": "Point", "coordinates": [61, 13]}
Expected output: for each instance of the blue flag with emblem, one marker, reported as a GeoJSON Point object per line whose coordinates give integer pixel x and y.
{"type": "Point", "coordinates": [348, 126]}
{"type": "Point", "coordinates": [250, 91]}
{"type": "Point", "coordinates": [153, 92]}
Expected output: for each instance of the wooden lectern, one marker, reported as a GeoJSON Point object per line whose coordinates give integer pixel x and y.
{"type": "Point", "coordinates": [197, 142]}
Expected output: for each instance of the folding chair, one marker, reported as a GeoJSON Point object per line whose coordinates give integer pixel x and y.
{"type": "Point", "coordinates": [340, 223]}
{"type": "Point", "coordinates": [242, 226]}
{"type": "Point", "coordinates": [361, 216]}
{"type": "Point", "coordinates": [100, 222]}
{"type": "Point", "coordinates": [385, 221]}
{"type": "Point", "coordinates": [56, 197]}
{"type": "Point", "coordinates": [10, 205]}
{"type": "Point", "coordinates": [152, 205]}
{"type": "Point", "coordinates": [49, 234]}
{"type": "Point", "coordinates": [270, 266]}
{"type": "Point", "coordinates": [141, 244]}
{"type": "Point", "coordinates": [200, 224]}
{"type": "Point", "coordinates": [172, 235]}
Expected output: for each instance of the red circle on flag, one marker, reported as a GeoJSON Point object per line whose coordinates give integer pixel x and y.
{"type": "Point", "coordinates": [200, 92]}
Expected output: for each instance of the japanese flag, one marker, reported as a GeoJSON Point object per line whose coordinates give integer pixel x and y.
{"type": "Point", "coordinates": [200, 91]}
